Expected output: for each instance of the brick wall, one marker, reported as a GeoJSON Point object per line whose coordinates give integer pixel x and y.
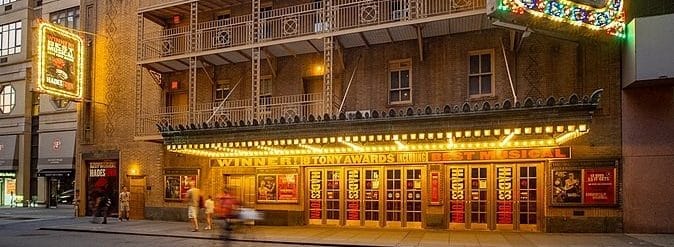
{"type": "Point", "coordinates": [542, 67]}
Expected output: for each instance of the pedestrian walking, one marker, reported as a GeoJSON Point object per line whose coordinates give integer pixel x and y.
{"type": "Point", "coordinates": [225, 209]}
{"type": "Point", "coordinates": [210, 208]}
{"type": "Point", "coordinates": [193, 195]}
{"type": "Point", "coordinates": [101, 206]}
{"type": "Point", "coordinates": [124, 197]}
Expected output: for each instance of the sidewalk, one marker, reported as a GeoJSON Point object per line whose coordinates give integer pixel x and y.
{"type": "Point", "coordinates": [343, 236]}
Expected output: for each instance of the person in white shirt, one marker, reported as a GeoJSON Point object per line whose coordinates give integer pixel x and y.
{"type": "Point", "coordinates": [210, 207]}
{"type": "Point", "coordinates": [124, 204]}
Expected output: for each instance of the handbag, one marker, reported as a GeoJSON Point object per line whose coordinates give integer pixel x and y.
{"type": "Point", "coordinates": [201, 202]}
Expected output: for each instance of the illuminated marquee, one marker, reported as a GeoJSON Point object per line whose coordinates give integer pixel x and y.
{"type": "Point", "coordinates": [60, 62]}
{"type": "Point", "coordinates": [607, 15]}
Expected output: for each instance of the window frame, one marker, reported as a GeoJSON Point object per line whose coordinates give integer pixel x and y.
{"type": "Point", "coordinates": [17, 35]}
{"type": "Point", "coordinates": [265, 94]}
{"type": "Point", "coordinates": [398, 66]}
{"type": "Point", "coordinates": [12, 96]}
{"type": "Point", "coordinates": [492, 73]}
{"type": "Point", "coordinates": [221, 85]}
{"type": "Point", "coordinates": [5, 2]}
{"type": "Point", "coordinates": [55, 19]}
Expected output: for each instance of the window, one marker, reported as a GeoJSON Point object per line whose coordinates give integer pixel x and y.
{"type": "Point", "coordinates": [10, 38]}
{"type": "Point", "coordinates": [7, 99]}
{"type": "Point", "coordinates": [3, 2]}
{"type": "Point", "coordinates": [480, 79]}
{"type": "Point", "coordinates": [67, 17]}
{"type": "Point", "coordinates": [221, 90]}
{"type": "Point", "coordinates": [400, 81]}
{"type": "Point", "coordinates": [265, 92]}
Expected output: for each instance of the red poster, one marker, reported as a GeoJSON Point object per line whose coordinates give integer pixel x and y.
{"type": "Point", "coordinates": [457, 212]}
{"type": "Point", "coordinates": [287, 187]}
{"type": "Point", "coordinates": [353, 210]}
{"type": "Point", "coordinates": [504, 213]}
{"type": "Point", "coordinates": [599, 186]}
{"type": "Point", "coordinates": [315, 209]}
{"type": "Point", "coordinates": [435, 188]}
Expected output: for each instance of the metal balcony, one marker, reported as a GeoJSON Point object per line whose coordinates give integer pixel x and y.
{"type": "Point", "coordinates": [234, 111]}
{"type": "Point", "coordinates": [298, 23]}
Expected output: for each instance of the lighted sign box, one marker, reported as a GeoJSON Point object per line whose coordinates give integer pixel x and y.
{"type": "Point", "coordinates": [585, 17]}
{"type": "Point", "coordinates": [60, 62]}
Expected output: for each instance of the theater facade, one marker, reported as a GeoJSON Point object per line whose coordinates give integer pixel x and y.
{"type": "Point", "coordinates": [348, 113]}
{"type": "Point", "coordinates": [467, 170]}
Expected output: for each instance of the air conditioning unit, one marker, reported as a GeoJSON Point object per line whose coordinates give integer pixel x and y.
{"type": "Point", "coordinates": [400, 14]}
{"type": "Point", "coordinates": [353, 114]}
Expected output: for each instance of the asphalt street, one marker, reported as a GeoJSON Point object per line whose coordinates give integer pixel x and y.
{"type": "Point", "coordinates": [20, 228]}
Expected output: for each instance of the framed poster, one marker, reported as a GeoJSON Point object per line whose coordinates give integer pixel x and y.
{"type": "Point", "coordinates": [567, 187]}
{"type": "Point", "coordinates": [102, 180]}
{"type": "Point", "coordinates": [172, 187]}
{"type": "Point", "coordinates": [287, 187]}
{"type": "Point", "coordinates": [177, 183]}
{"type": "Point", "coordinates": [277, 188]}
{"type": "Point", "coordinates": [599, 186]}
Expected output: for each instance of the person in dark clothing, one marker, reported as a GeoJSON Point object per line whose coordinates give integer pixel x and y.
{"type": "Point", "coordinates": [101, 206]}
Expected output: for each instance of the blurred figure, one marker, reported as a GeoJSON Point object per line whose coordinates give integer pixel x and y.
{"type": "Point", "coordinates": [193, 195]}
{"type": "Point", "coordinates": [226, 210]}
{"type": "Point", "coordinates": [210, 208]}
{"type": "Point", "coordinates": [101, 205]}
{"type": "Point", "coordinates": [124, 197]}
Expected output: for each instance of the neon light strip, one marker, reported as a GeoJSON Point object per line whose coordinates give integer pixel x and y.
{"type": "Point", "coordinates": [610, 18]}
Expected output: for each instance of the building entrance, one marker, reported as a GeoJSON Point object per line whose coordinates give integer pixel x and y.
{"type": "Point", "coordinates": [366, 196]}
{"type": "Point", "coordinates": [495, 196]}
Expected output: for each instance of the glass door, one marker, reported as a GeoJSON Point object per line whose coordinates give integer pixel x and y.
{"type": "Point", "coordinates": [457, 197]}
{"type": "Point", "coordinates": [478, 198]}
{"type": "Point", "coordinates": [333, 191]}
{"type": "Point", "coordinates": [373, 190]}
{"type": "Point", "coordinates": [504, 197]}
{"type": "Point", "coordinates": [394, 198]}
{"type": "Point", "coordinates": [528, 187]}
{"type": "Point", "coordinates": [316, 196]}
{"type": "Point", "coordinates": [353, 197]}
{"type": "Point", "coordinates": [413, 195]}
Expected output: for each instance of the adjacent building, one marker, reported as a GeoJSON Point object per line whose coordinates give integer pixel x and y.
{"type": "Point", "coordinates": [37, 131]}
{"type": "Point", "coordinates": [439, 114]}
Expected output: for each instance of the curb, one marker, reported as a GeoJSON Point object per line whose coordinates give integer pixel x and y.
{"type": "Point", "coordinates": [211, 238]}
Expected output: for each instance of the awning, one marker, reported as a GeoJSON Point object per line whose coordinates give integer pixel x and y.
{"type": "Point", "coordinates": [8, 152]}
{"type": "Point", "coordinates": [55, 173]}
{"type": "Point", "coordinates": [57, 150]}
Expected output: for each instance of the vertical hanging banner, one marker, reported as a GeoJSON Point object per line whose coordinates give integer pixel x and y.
{"type": "Point", "coordinates": [315, 194]}
{"type": "Point", "coordinates": [435, 188]}
{"type": "Point", "coordinates": [599, 186]}
{"type": "Point", "coordinates": [457, 196]}
{"type": "Point", "coordinates": [353, 195]}
{"type": "Point", "coordinates": [504, 195]}
{"type": "Point", "coordinates": [60, 62]}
